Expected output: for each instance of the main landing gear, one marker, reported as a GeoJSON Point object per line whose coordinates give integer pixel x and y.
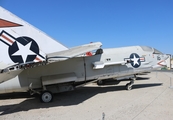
{"type": "Point", "coordinates": [130, 84]}
{"type": "Point", "coordinates": [46, 96]}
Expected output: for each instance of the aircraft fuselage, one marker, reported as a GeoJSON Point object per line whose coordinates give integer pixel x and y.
{"type": "Point", "coordinates": [132, 60]}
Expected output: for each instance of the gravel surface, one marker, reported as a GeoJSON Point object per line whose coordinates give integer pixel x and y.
{"type": "Point", "coordinates": [150, 99]}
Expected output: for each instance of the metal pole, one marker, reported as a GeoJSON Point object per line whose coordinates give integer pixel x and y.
{"type": "Point", "coordinates": [103, 116]}
{"type": "Point", "coordinates": [171, 83]}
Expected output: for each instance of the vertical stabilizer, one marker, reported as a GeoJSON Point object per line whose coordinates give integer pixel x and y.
{"type": "Point", "coordinates": [20, 42]}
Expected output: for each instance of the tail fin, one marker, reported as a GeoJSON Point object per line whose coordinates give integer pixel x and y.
{"type": "Point", "coordinates": [20, 42]}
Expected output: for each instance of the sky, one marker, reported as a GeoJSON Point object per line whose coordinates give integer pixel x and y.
{"type": "Point", "coordinates": [115, 23]}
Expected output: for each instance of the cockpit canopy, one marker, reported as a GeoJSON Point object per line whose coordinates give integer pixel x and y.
{"type": "Point", "coordinates": [150, 49]}
{"type": "Point", "coordinates": [156, 51]}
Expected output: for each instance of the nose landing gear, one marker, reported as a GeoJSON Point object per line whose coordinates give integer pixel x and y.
{"type": "Point", "coordinates": [130, 84]}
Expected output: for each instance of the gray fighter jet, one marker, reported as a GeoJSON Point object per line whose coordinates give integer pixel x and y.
{"type": "Point", "coordinates": [33, 62]}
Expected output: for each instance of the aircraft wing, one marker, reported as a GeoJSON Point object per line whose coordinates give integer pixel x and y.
{"type": "Point", "coordinates": [7, 74]}
{"type": "Point", "coordinates": [73, 52]}
{"type": "Point", "coordinates": [14, 70]}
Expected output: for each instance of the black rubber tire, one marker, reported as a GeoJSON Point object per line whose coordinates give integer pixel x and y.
{"type": "Point", "coordinates": [100, 82]}
{"type": "Point", "coordinates": [46, 96]}
{"type": "Point", "coordinates": [128, 86]}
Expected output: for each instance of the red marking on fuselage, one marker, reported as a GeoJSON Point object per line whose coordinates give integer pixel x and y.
{"type": "Point", "coordinates": [38, 59]}
{"type": "Point", "coordinates": [142, 59]}
{"type": "Point", "coordinates": [7, 39]}
{"type": "Point", "coordinates": [159, 63]}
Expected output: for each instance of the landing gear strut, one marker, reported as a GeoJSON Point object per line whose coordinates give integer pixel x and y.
{"type": "Point", "coordinates": [45, 95]}
{"type": "Point", "coordinates": [130, 84]}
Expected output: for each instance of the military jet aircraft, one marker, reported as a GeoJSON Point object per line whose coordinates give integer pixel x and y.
{"type": "Point", "coordinates": [33, 62]}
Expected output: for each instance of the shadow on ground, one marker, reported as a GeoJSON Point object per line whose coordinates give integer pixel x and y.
{"type": "Point", "coordinates": [115, 82]}
{"type": "Point", "coordinates": [62, 99]}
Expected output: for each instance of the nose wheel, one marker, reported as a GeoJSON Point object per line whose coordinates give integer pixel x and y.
{"type": "Point", "coordinates": [100, 82]}
{"type": "Point", "coordinates": [130, 84]}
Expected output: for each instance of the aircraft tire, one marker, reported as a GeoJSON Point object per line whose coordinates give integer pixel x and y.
{"type": "Point", "coordinates": [100, 82]}
{"type": "Point", "coordinates": [46, 96]}
{"type": "Point", "coordinates": [128, 86]}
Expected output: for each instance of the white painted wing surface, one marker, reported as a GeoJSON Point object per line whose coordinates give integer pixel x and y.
{"type": "Point", "coordinates": [73, 52]}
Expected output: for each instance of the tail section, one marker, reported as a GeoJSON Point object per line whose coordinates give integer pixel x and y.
{"type": "Point", "coordinates": [20, 42]}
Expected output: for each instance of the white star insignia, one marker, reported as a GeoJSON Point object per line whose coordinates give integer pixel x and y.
{"type": "Point", "coordinates": [135, 60]}
{"type": "Point", "coordinates": [24, 51]}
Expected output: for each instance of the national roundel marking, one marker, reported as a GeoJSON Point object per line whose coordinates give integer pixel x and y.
{"type": "Point", "coordinates": [135, 60]}
{"type": "Point", "coordinates": [24, 41]}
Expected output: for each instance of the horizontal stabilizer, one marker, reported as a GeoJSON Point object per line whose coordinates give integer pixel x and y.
{"type": "Point", "coordinates": [73, 52]}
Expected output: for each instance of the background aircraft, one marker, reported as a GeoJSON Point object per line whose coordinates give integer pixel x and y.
{"type": "Point", "coordinates": [32, 61]}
